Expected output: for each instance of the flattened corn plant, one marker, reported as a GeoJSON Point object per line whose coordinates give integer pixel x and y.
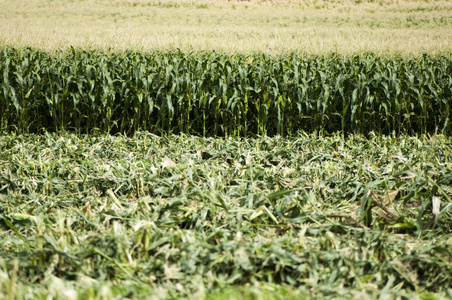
{"type": "Point", "coordinates": [212, 94]}
{"type": "Point", "coordinates": [180, 216]}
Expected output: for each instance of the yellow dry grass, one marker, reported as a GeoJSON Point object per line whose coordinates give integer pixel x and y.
{"type": "Point", "coordinates": [403, 27]}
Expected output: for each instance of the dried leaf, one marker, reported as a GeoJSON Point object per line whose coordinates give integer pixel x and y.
{"type": "Point", "coordinates": [167, 163]}
{"type": "Point", "coordinates": [436, 203]}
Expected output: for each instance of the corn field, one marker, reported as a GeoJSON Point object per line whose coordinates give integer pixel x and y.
{"type": "Point", "coordinates": [211, 94]}
{"type": "Point", "coordinates": [172, 175]}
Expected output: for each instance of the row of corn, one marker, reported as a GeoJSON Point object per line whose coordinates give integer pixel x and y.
{"type": "Point", "coordinates": [218, 94]}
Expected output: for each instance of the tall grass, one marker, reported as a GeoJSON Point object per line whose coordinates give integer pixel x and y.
{"type": "Point", "coordinates": [217, 94]}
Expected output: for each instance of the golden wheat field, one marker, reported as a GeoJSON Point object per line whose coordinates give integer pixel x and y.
{"type": "Point", "coordinates": [275, 27]}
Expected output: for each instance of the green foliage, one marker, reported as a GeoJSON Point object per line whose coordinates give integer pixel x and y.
{"type": "Point", "coordinates": [212, 94]}
{"type": "Point", "coordinates": [102, 217]}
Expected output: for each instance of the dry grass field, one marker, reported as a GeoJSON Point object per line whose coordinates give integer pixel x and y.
{"type": "Point", "coordinates": [275, 27]}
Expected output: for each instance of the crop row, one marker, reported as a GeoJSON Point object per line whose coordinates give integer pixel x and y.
{"type": "Point", "coordinates": [217, 94]}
